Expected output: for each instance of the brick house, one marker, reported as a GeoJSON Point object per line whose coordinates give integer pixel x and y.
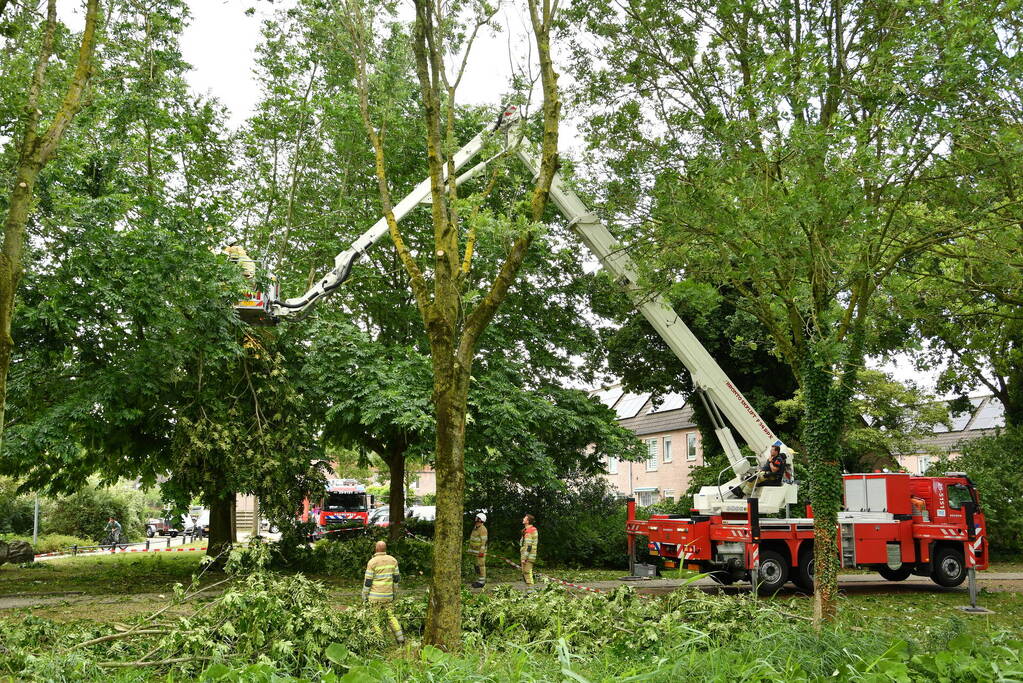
{"type": "Point", "coordinates": [985, 417]}
{"type": "Point", "coordinates": [672, 440]}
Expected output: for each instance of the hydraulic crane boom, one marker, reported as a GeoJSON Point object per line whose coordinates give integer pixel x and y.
{"type": "Point", "coordinates": [721, 398]}
{"type": "Point", "coordinates": [298, 307]}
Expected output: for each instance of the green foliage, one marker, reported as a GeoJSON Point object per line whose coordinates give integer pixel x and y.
{"type": "Point", "coordinates": [51, 543]}
{"type": "Point", "coordinates": [994, 464]}
{"type": "Point", "coordinates": [580, 521]}
{"type": "Point", "coordinates": [85, 513]}
{"type": "Point", "coordinates": [16, 510]}
{"type": "Point", "coordinates": [271, 627]}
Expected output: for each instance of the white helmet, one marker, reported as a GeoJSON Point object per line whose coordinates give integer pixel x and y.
{"type": "Point", "coordinates": [482, 516]}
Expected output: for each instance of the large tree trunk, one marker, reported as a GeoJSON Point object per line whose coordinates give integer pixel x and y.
{"type": "Point", "coordinates": [444, 618]}
{"type": "Point", "coordinates": [222, 531]}
{"type": "Point", "coordinates": [396, 497]}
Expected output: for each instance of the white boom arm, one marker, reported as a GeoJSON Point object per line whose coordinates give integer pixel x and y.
{"type": "Point", "coordinates": [298, 307]}
{"type": "Point", "coordinates": [708, 377]}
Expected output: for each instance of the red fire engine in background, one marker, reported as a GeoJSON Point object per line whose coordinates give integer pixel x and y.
{"type": "Point", "coordinates": [344, 502]}
{"type": "Point", "coordinates": [894, 524]}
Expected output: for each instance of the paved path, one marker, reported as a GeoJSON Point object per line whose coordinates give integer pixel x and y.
{"type": "Point", "coordinates": [848, 583]}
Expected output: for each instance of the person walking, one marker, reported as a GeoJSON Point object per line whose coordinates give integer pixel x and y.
{"type": "Point", "coordinates": [527, 549]}
{"type": "Point", "coordinates": [378, 590]}
{"type": "Point", "coordinates": [478, 549]}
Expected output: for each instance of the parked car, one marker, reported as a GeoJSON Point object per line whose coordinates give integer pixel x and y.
{"type": "Point", "coordinates": [161, 526]}
{"type": "Point", "coordinates": [427, 513]}
{"type": "Point", "coordinates": [381, 516]}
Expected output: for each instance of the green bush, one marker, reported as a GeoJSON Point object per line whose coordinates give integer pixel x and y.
{"type": "Point", "coordinates": [581, 524]}
{"type": "Point", "coordinates": [85, 513]}
{"type": "Point", "coordinates": [993, 463]}
{"type": "Point", "coordinates": [49, 543]}
{"type": "Point", "coordinates": [16, 511]}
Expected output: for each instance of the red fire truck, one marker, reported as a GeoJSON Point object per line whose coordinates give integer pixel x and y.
{"type": "Point", "coordinates": [344, 502]}
{"type": "Point", "coordinates": [894, 524]}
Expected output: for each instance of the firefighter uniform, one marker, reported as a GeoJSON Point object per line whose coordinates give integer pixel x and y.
{"type": "Point", "coordinates": [527, 553]}
{"type": "Point", "coordinates": [478, 549]}
{"type": "Point", "coordinates": [378, 589]}
{"type": "Point", "coordinates": [236, 252]}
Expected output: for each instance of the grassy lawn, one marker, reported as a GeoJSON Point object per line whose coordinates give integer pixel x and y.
{"type": "Point", "coordinates": [103, 574]}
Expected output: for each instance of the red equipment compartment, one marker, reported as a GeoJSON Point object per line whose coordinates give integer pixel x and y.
{"type": "Point", "coordinates": [878, 492]}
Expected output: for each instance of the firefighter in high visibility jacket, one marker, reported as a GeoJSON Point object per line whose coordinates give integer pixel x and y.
{"type": "Point", "coordinates": [237, 253]}
{"type": "Point", "coordinates": [478, 549]}
{"type": "Point", "coordinates": [378, 590]}
{"type": "Point", "coordinates": [527, 549]}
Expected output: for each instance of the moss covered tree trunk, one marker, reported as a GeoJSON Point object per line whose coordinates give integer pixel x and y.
{"type": "Point", "coordinates": [36, 149]}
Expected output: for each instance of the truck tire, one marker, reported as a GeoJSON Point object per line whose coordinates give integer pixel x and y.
{"type": "Point", "coordinates": [774, 571]}
{"type": "Point", "coordinates": [803, 577]}
{"type": "Point", "coordinates": [900, 574]}
{"type": "Point", "coordinates": [150, 532]}
{"type": "Point", "coordinates": [949, 567]}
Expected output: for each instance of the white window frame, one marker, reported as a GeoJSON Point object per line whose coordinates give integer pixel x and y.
{"type": "Point", "coordinates": [666, 450]}
{"type": "Point", "coordinates": [668, 494]}
{"type": "Point", "coordinates": [612, 465]}
{"type": "Point", "coordinates": [691, 446]}
{"type": "Point", "coordinates": [646, 498]}
{"type": "Point", "coordinates": [922, 463]}
{"type": "Point", "coordinates": [651, 455]}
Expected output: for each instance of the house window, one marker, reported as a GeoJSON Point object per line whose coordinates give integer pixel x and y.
{"type": "Point", "coordinates": [669, 494]}
{"type": "Point", "coordinates": [691, 446]}
{"type": "Point", "coordinates": [923, 462]}
{"type": "Point", "coordinates": [667, 449]}
{"type": "Point", "coordinates": [612, 465]}
{"type": "Point", "coordinates": [646, 498]}
{"type": "Point", "coordinates": [651, 455]}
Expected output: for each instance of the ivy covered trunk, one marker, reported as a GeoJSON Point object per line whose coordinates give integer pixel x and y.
{"type": "Point", "coordinates": [826, 402]}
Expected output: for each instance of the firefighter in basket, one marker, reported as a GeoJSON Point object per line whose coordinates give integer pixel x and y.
{"type": "Point", "coordinates": [770, 474]}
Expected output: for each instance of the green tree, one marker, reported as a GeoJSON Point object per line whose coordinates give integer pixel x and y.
{"type": "Point", "coordinates": [786, 154]}
{"type": "Point", "coordinates": [36, 147]}
{"type": "Point", "coordinates": [454, 317]}
{"type": "Point", "coordinates": [133, 364]}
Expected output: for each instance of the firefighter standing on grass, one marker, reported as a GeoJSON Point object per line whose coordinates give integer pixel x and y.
{"type": "Point", "coordinates": [378, 590]}
{"type": "Point", "coordinates": [478, 549]}
{"type": "Point", "coordinates": [527, 549]}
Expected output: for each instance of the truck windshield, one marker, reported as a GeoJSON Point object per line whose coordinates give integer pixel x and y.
{"type": "Point", "coordinates": [957, 495]}
{"type": "Point", "coordinates": [344, 502]}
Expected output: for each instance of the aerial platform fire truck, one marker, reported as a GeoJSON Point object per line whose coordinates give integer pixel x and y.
{"type": "Point", "coordinates": [896, 524]}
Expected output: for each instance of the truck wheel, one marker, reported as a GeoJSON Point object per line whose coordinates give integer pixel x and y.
{"type": "Point", "coordinates": [949, 567]}
{"type": "Point", "coordinates": [774, 571]}
{"type": "Point", "coordinates": [803, 577]}
{"type": "Point", "coordinates": [174, 534]}
{"type": "Point", "coordinates": [150, 532]}
{"type": "Point", "coordinates": [900, 574]}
